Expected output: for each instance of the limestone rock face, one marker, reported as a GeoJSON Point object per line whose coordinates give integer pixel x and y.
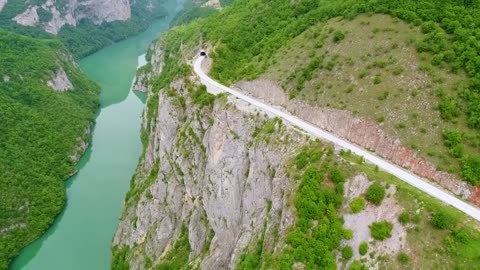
{"type": "Point", "coordinates": [2, 4]}
{"type": "Point", "coordinates": [205, 170]}
{"type": "Point", "coordinates": [29, 17]}
{"type": "Point", "coordinates": [145, 73]}
{"type": "Point", "coordinates": [60, 81]}
{"type": "Point", "coordinates": [99, 11]}
{"type": "Point", "coordinates": [213, 3]}
{"type": "Point", "coordinates": [212, 178]}
{"type": "Point", "coordinates": [72, 11]}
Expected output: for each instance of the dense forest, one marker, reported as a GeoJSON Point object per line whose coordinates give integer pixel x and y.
{"type": "Point", "coordinates": [40, 130]}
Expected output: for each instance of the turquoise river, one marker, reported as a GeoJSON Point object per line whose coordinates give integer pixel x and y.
{"type": "Point", "coordinates": [81, 236]}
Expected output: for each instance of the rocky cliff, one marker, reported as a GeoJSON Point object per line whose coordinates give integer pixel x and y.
{"type": "Point", "coordinates": [53, 15]}
{"type": "Point", "coordinates": [206, 167]}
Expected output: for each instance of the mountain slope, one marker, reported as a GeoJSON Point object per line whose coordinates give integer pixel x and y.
{"type": "Point", "coordinates": [233, 189]}
{"type": "Point", "coordinates": [48, 107]}
{"type": "Point", "coordinates": [83, 26]}
{"type": "Point", "coordinates": [423, 89]}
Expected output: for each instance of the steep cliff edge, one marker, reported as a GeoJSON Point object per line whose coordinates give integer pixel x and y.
{"type": "Point", "coordinates": [204, 169]}
{"type": "Point", "coordinates": [52, 15]}
{"type": "Point", "coordinates": [223, 186]}
{"type": "Point", "coordinates": [84, 26]}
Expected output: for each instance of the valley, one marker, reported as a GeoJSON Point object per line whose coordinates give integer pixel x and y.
{"type": "Point", "coordinates": [309, 134]}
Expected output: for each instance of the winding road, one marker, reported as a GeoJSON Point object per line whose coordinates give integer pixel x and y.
{"type": "Point", "coordinates": [408, 177]}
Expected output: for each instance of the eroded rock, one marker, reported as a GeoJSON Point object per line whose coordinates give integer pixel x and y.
{"type": "Point", "coordinates": [72, 11]}
{"type": "Point", "coordinates": [2, 4]}
{"type": "Point", "coordinates": [211, 177]}
{"type": "Point", "coordinates": [60, 81]}
{"type": "Point", "coordinates": [29, 17]}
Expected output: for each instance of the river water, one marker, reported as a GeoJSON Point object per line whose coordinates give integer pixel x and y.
{"type": "Point", "coordinates": [81, 236]}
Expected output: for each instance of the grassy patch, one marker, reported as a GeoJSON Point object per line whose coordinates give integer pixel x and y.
{"type": "Point", "coordinates": [177, 257]}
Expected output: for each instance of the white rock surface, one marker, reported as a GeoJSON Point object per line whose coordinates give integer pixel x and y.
{"type": "Point", "coordinates": [72, 11]}
{"type": "Point", "coordinates": [29, 17]}
{"type": "Point", "coordinates": [2, 4]}
{"type": "Point", "coordinates": [60, 81]}
{"type": "Point", "coordinates": [213, 3]}
{"type": "Point", "coordinates": [211, 177]}
{"type": "Point", "coordinates": [359, 223]}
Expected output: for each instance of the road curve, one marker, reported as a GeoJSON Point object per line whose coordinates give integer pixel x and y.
{"type": "Point", "coordinates": [408, 177]}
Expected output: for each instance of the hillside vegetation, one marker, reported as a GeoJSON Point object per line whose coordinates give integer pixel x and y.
{"type": "Point", "coordinates": [418, 68]}
{"type": "Point", "coordinates": [376, 63]}
{"type": "Point", "coordinates": [86, 37]}
{"type": "Point", "coordinates": [40, 129]}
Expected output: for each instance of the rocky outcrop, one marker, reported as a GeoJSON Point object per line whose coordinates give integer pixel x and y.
{"type": "Point", "coordinates": [99, 11]}
{"type": "Point", "coordinates": [58, 20]}
{"type": "Point", "coordinates": [389, 210]}
{"type": "Point", "coordinates": [82, 145]}
{"type": "Point", "coordinates": [204, 169]}
{"type": "Point", "coordinates": [72, 11]}
{"type": "Point", "coordinates": [2, 4]}
{"type": "Point", "coordinates": [60, 81]}
{"type": "Point", "coordinates": [145, 73]}
{"type": "Point", "coordinates": [213, 3]}
{"type": "Point", "coordinates": [357, 130]}
{"type": "Point", "coordinates": [29, 17]}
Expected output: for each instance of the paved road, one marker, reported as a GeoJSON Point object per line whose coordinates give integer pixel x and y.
{"type": "Point", "coordinates": [410, 178]}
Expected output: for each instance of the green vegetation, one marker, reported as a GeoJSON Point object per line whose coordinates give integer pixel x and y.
{"type": "Point", "coordinates": [381, 230]}
{"type": "Point", "coordinates": [338, 36]}
{"type": "Point", "coordinates": [471, 169]}
{"type": "Point", "coordinates": [120, 258]}
{"type": "Point", "coordinates": [442, 220]}
{"type": "Point", "coordinates": [403, 258]}
{"type": "Point", "coordinates": [357, 265]}
{"type": "Point", "coordinates": [357, 205]}
{"type": "Point", "coordinates": [316, 201]}
{"type": "Point", "coordinates": [202, 97]}
{"type": "Point", "coordinates": [177, 257]}
{"type": "Point", "coordinates": [375, 193]}
{"type": "Point", "coordinates": [347, 253]}
{"type": "Point", "coordinates": [347, 234]}
{"type": "Point", "coordinates": [404, 217]}
{"type": "Point", "coordinates": [190, 12]}
{"type": "Point", "coordinates": [454, 141]}
{"type": "Point", "coordinates": [252, 260]}
{"type": "Point", "coordinates": [363, 248]}
{"type": "Point", "coordinates": [308, 156]}
{"type": "Point", "coordinates": [40, 130]}
{"type": "Point", "coordinates": [86, 37]}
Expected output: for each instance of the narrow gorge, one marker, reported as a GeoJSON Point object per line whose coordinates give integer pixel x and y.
{"type": "Point", "coordinates": [340, 134]}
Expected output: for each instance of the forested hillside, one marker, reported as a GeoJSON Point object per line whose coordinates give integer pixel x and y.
{"type": "Point", "coordinates": [88, 35]}
{"type": "Point", "coordinates": [40, 133]}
